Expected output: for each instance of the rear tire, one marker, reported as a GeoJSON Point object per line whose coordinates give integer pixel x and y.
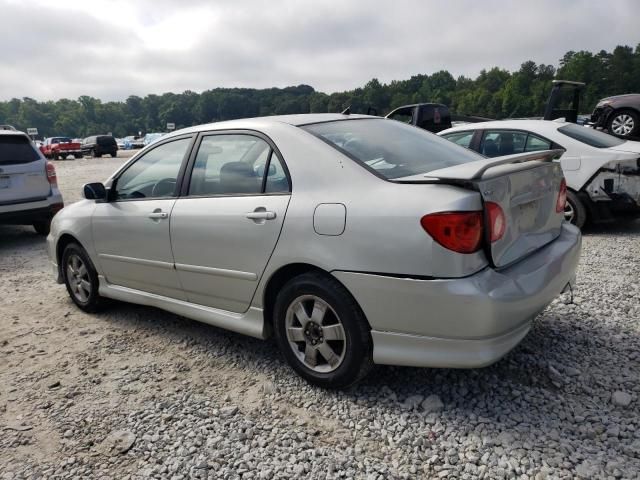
{"type": "Point", "coordinates": [623, 123]}
{"type": "Point", "coordinates": [81, 279]}
{"type": "Point", "coordinates": [77, 155]}
{"type": "Point", "coordinates": [42, 228]}
{"type": "Point", "coordinates": [94, 154]}
{"type": "Point", "coordinates": [574, 211]}
{"type": "Point", "coordinates": [322, 332]}
{"type": "Point", "coordinates": [114, 155]}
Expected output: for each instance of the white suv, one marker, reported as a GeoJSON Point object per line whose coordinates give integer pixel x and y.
{"type": "Point", "coordinates": [29, 192]}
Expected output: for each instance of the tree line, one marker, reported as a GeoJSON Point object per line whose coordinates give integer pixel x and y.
{"type": "Point", "coordinates": [494, 93]}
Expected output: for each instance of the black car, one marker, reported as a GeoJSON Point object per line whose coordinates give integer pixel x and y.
{"type": "Point", "coordinates": [619, 115]}
{"type": "Point", "coordinates": [99, 145]}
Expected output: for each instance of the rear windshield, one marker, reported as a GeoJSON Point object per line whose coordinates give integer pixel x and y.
{"type": "Point", "coordinates": [391, 149]}
{"type": "Point", "coordinates": [105, 141]}
{"type": "Point", "coordinates": [16, 149]}
{"type": "Point", "coordinates": [590, 136]}
{"type": "Point", "coordinates": [61, 140]}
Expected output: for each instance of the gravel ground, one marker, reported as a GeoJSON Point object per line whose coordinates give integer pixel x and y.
{"type": "Point", "coordinates": [139, 393]}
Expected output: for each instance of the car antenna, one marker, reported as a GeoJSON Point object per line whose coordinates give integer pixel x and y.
{"type": "Point", "coordinates": [346, 111]}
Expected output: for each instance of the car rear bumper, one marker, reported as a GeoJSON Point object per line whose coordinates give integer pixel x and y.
{"type": "Point", "coordinates": [29, 212]}
{"type": "Point", "coordinates": [466, 322]}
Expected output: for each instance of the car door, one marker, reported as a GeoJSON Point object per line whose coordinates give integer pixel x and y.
{"type": "Point", "coordinates": [131, 231]}
{"type": "Point", "coordinates": [226, 226]}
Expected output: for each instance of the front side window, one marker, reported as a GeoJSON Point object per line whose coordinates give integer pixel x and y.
{"type": "Point", "coordinates": [390, 149]}
{"type": "Point", "coordinates": [590, 136]}
{"type": "Point", "coordinates": [460, 138]}
{"type": "Point", "coordinates": [154, 174]}
{"type": "Point", "coordinates": [236, 164]}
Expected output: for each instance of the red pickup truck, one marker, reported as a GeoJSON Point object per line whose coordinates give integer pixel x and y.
{"type": "Point", "coordinates": [60, 147]}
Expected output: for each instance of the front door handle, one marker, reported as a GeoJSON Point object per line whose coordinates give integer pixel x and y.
{"type": "Point", "coordinates": [158, 214]}
{"type": "Point", "coordinates": [261, 215]}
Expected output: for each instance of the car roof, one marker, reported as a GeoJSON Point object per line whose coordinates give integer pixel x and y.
{"type": "Point", "coordinates": [261, 122]}
{"type": "Point", "coordinates": [12, 132]}
{"type": "Point", "coordinates": [540, 126]}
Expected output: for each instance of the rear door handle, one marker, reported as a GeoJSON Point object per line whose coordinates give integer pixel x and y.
{"type": "Point", "coordinates": [158, 215]}
{"type": "Point", "coordinates": [261, 215]}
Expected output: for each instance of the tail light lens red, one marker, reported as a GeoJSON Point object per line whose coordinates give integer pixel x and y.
{"type": "Point", "coordinates": [496, 221]}
{"type": "Point", "coordinates": [562, 197]}
{"type": "Point", "coordinates": [457, 231]}
{"type": "Point", "coordinates": [51, 174]}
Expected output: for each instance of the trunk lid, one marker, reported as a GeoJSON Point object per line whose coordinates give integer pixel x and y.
{"type": "Point", "coordinates": [526, 188]}
{"type": "Point", "coordinates": [23, 174]}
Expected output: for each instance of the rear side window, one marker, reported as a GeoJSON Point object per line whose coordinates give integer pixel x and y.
{"type": "Point", "coordinates": [460, 138]}
{"type": "Point", "coordinates": [16, 149]}
{"type": "Point", "coordinates": [236, 164]}
{"type": "Point", "coordinates": [391, 149]}
{"type": "Point", "coordinates": [590, 136]}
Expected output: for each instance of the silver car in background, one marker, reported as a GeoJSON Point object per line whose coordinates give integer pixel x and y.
{"type": "Point", "coordinates": [351, 239]}
{"type": "Point", "coordinates": [29, 192]}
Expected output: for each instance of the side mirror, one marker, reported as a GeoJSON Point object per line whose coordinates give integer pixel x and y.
{"type": "Point", "coordinates": [94, 191]}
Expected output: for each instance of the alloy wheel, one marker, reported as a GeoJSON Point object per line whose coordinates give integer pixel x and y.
{"type": "Point", "coordinates": [78, 278]}
{"type": "Point", "coordinates": [569, 212]}
{"type": "Point", "coordinates": [315, 334]}
{"type": "Point", "coordinates": [623, 124]}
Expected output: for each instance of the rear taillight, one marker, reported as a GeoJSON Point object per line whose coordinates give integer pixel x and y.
{"type": "Point", "coordinates": [457, 231]}
{"type": "Point", "coordinates": [495, 221]}
{"type": "Point", "coordinates": [562, 197]}
{"type": "Point", "coordinates": [51, 174]}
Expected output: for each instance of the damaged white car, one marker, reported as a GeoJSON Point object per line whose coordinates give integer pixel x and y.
{"type": "Point", "coordinates": [602, 171]}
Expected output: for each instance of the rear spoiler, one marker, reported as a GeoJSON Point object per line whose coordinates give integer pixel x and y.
{"type": "Point", "coordinates": [475, 170]}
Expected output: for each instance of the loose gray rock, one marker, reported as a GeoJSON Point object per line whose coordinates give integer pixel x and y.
{"type": "Point", "coordinates": [622, 399]}
{"type": "Point", "coordinates": [118, 442]}
{"type": "Point", "coordinates": [432, 404]}
{"type": "Point", "coordinates": [230, 411]}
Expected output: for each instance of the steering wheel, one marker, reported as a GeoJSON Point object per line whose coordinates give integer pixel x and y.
{"type": "Point", "coordinates": [164, 187]}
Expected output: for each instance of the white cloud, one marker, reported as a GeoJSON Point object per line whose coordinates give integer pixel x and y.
{"type": "Point", "coordinates": [112, 49]}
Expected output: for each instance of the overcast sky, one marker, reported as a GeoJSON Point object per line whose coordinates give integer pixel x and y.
{"type": "Point", "coordinates": [113, 49]}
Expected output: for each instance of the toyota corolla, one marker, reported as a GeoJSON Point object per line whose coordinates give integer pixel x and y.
{"type": "Point", "coordinates": [351, 239]}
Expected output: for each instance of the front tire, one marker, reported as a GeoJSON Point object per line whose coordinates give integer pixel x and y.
{"type": "Point", "coordinates": [81, 279]}
{"type": "Point", "coordinates": [623, 123]}
{"type": "Point", "coordinates": [574, 210]}
{"type": "Point", "coordinates": [322, 331]}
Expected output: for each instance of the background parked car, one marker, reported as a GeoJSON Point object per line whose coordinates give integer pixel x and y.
{"type": "Point", "coordinates": [60, 147]}
{"type": "Point", "coordinates": [98, 145]}
{"type": "Point", "coordinates": [133, 142]}
{"type": "Point", "coordinates": [602, 171]}
{"type": "Point", "coordinates": [29, 192]}
{"type": "Point", "coordinates": [619, 115]}
{"type": "Point", "coordinates": [149, 138]}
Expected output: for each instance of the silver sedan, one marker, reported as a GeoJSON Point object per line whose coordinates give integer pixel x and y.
{"type": "Point", "coordinates": [353, 240]}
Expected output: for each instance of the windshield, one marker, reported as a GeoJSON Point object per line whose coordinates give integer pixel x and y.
{"type": "Point", "coordinates": [391, 149]}
{"type": "Point", "coordinates": [590, 136]}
